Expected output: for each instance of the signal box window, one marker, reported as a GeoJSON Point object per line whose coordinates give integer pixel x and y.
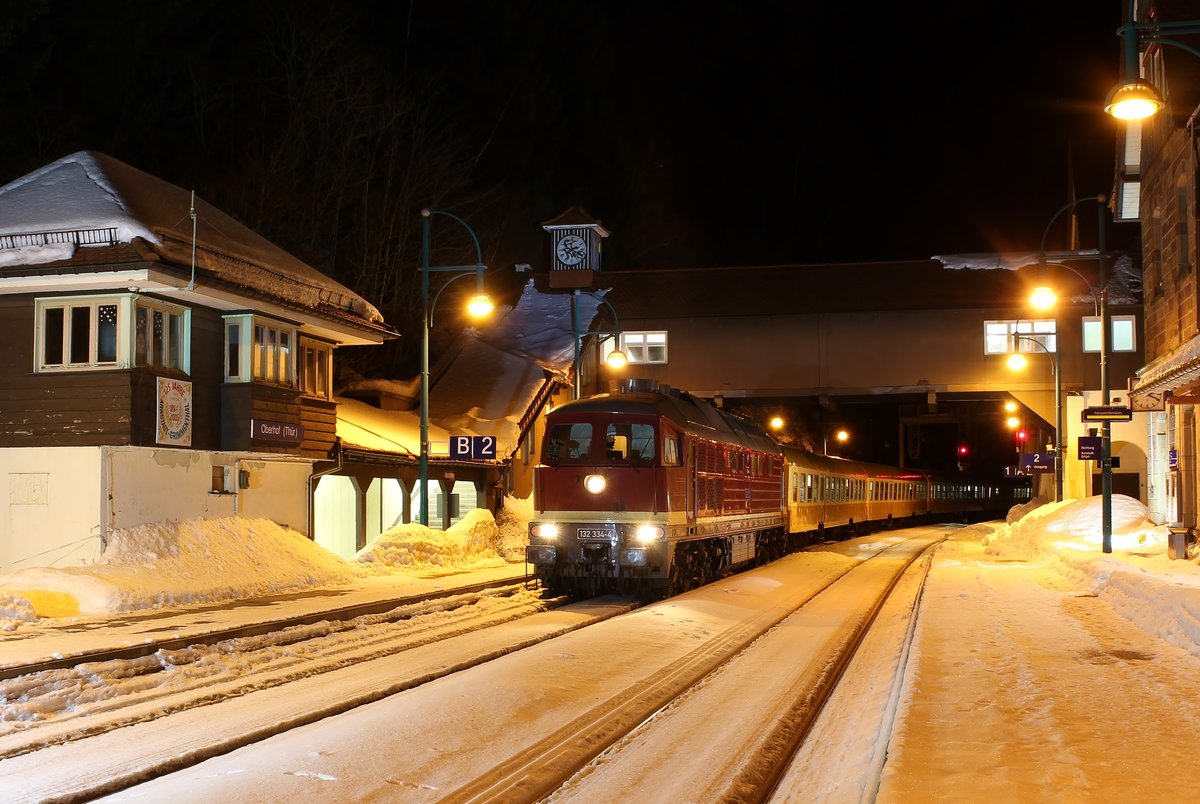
{"type": "Point", "coordinates": [569, 442]}
{"type": "Point", "coordinates": [95, 332]}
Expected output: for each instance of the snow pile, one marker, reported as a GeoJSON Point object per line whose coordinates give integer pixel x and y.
{"type": "Point", "coordinates": [14, 610]}
{"type": "Point", "coordinates": [176, 563]}
{"type": "Point", "coordinates": [513, 522]}
{"type": "Point", "coordinates": [471, 540]}
{"type": "Point", "coordinates": [1159, 595]}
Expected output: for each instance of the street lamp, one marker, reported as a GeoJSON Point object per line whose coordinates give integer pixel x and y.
{"type": "Point", "coordinates": [479, 305]}
{"type": "Point", "coordinates": [616, 358]}
{"type": "Point", "coordinates": [1043, 298]}
{"type": "Point", "coordinates": [1135, 98]}
{"type": "Point", "coordinates": [1017, 362]}
{"type": "Point", "coordinates": [841, 436]}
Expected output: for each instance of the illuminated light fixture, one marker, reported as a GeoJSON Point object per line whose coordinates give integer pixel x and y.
{"type": "Point", "coordinates": [616, 359]}
{"type": "Point", "coordinates": [1134, 99]}
{"type": "Point", "coordinates": [1013, 422]}
{"type": "Point", "coordinates": [1043, 298]}
{"type": "Point", "coordinates": [480, 305]}
{"type": "Point", "coordinates": [595, 483]}
{"type": "Point", "coordinates": [648, 533]}
{"type": "Point", "coordinates": [1010, 407]}
{"type": "Point", "coordinates": [1017, 361]}
{"type": "Point", "coordinates": [545, 531]}
{"type": "Point", "coordinates": [776, 422]}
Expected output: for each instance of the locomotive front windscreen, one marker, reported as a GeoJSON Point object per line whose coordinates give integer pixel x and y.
{"type": "Point", "coordinates": [602, 443]}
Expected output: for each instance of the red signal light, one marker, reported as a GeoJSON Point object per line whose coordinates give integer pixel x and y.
{"type": "Point", "coordinates": [1020, 435]}
{"type": "Point", "coordinates": [962, 450]}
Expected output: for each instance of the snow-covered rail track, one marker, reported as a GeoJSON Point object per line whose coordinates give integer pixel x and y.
{"type": "Point", "coordinates": [248, 687]}
{"type": "Point", "coordinates": [699, 697]}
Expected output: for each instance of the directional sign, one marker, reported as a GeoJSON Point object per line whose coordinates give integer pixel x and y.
{"type": "Point", "coordinates": [1090, 448]}
{"type": "Point", "coordinates": [1108, 413]}
{"type": "Point", "coordinates": [475, 448]}
{"type": "Point", "coordinates": [1037, 462]}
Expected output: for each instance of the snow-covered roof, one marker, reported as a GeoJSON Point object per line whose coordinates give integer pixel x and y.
{"type": "Point", "coordinates": [88, 200]}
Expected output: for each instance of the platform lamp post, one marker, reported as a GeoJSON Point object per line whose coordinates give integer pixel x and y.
{"type": "Point", "coordinates": [616, 358]}
{"type": "Point", "coordinates": [1044, 298]}
{"type": "Point", "coordinates": [1017, 362]}
{"type": "Point", "coordinates": [479, 305]}
{"type": "Point", "coordinates": [1135, 98]}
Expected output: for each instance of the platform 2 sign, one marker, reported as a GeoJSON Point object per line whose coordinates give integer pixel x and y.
{"type": "Point", "coordinates": [1037, 462]}
{"type": "Point", "coordinates": [475, 448]}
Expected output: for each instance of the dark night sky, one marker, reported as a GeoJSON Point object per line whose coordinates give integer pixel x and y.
{"type": "Point", "coordinates": [942, 127]}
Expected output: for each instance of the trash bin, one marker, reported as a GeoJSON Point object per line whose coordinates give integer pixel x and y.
{"type": "Point", "coordinates": [1177, 542]}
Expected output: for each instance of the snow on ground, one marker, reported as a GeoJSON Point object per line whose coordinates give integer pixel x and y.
{"type": "Point", "coordinates": [213, 560]}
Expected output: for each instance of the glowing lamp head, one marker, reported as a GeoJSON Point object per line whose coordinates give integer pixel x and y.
{"type": "Point", "coordinates": [1017, 361]}
{"type": "Point", "coordinates": [616, 359]}
{"type": "Point", "coordinates": [480, 305]}
{"type": "Point", "coordinates": [544, 530]}
{"type": "Point", "coordinates": [648, 533]}
{"type": "Point", "coordinates": [1043, 298]}
{"type": "Point", "coordinates": [776, 422]}
{"type": "Point", "coordinates": [595, 484]}
{"type": "Point", "coordinates": [1013, 422]}
{"type": "Point", "coordinates": [1134, 99]}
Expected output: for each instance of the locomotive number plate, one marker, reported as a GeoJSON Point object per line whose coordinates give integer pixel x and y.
{"type": "Point", "coordinates": [608, 534]}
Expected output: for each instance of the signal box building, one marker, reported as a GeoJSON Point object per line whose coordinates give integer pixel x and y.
{"type": "Point", "coordinates": [159, 360]}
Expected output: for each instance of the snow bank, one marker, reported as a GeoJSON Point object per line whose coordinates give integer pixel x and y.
{"type": "Point", "coordinates": [213, 560]}
{"type": "Point", "coordinates": [1159, 595]}
{"type": "Point", "coordinates": [177, 563]}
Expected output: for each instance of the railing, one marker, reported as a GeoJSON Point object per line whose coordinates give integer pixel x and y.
{"type": "Point", "coordinates": [78, 237]}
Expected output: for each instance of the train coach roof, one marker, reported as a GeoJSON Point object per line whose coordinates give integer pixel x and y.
{"type": "Point", "coordinates": [845, 466]}
{"type": "Point", "coordinates": [694, 415]}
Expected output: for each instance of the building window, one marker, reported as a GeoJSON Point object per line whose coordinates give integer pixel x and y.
{"type": "Point", "coordinates": [105, 332]}
{"type": "Point", "coordinates": [1123, 333]}
{"type": "Point", "coordinates": [316, 368]}
{"type": "Point", "coordinates": [1000, 337]}
{"type": "Point", "coordinates": [643, 347]}
{"type": "Point", "coordinates": [160, 335]}
{"type": "Point", "coordinates": [261, 350]}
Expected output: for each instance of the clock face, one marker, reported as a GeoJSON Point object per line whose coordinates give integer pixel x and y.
{"type": "Point", "coordinates": [1150, 401]}
{"type": "Point", "coordinates": [571, 250]}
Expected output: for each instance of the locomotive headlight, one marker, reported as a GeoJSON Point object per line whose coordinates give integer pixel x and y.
{"type": "Point", "coordinates": [595, 483]}
{"type": "Point", "coordinates": [648, 533]}
{"type": "Point", "coordinates": [544, 530]}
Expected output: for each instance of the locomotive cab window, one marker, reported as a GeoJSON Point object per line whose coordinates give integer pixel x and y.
{"type": "Point", "coordinates": [629, 442]}
{"type": "Point", "coordinates": [569, 442]}
{"type": "Point", "coordinates": [670, 453]}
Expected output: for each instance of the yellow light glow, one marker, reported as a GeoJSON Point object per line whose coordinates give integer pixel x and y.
{"type": "Point", "coordinates": [1133, 100]}
{"type": "Point", "coordinates": [1013, 422]}
{"type": "Point", "coordinates": [480, 305]}
{"type": "Point", "coordinates": [1010, 406]}
{"type": "Point", "coordinates": [776, 422]}
{"type": "Point", "coordinates": [616, 359]}
{"type": "Point", "coordinates": [1017, 361]}
{"type": "Point", "coordinates": [842, 436]}
{"type": "Point", "coordinates": [1043, 298]}
{"type": "Point", "coordinates": [595, 484]}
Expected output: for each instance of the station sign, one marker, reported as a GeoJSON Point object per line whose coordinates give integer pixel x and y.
{"type": "Point", "coordinates": [474, 448]}
{"type": "Point", "coordinates": [1108, 413]}
{"type": "Point", "coordinates": [1037, 462]}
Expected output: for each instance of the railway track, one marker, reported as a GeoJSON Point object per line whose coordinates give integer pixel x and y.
{"type": "Point", "coordinates": [589, 713]}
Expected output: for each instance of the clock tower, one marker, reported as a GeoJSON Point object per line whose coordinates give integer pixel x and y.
{"type": "Point", "coordinates": [574, 248]}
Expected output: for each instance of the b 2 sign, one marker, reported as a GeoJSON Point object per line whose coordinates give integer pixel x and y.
{"type": "Point", "coordinates": [475, 448]}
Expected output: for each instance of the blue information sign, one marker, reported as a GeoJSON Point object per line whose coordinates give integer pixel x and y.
{"type": "Point", "coordinates": [1037, 462]}
{"type": "Point", "coordinates": [475, 448]}
{"type": "Point", "coordinates": [1090, 448]}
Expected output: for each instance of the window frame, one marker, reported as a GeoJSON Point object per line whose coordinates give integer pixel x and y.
{"type": "Point", "coordinates": [127, 309]}
{"type": "Point", "coordinates": [1090, 333]}
{"type": "Point", "coordinates": [1043, 330]}
{"type": "Point", "coordinates": [259, 357]}
{"type": "Point", "coordinates": [324, 359]}
{"type": "Point", "coordinates": [637, 348]}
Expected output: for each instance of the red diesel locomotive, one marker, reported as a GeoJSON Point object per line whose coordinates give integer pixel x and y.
{"type": "Point", "coordinates": [652, 492]}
